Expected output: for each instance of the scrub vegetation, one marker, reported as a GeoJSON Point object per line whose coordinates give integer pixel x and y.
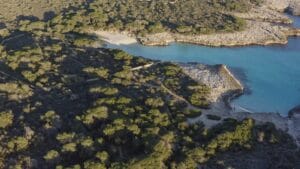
{"type": "Point", "coordinates": [33, 9]}
{"type": "Point", "coordinates": [143, 17]}
{"type": "Point", "coordinates": [68, 103]}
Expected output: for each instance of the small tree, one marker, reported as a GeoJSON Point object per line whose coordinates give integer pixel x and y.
{"type": "Point", "coordinates": [18, 144]}
{"type": "Point", "coordinates": [99, 113]}
{"type": "Point", "coordinates": [51, 155]}
{"type": "Point", "coordinates": [154, 102]}
{"type": "Point", "coordinates": [70, 147]}
{"type": "Point", "coordinates": [157, 27]}
{"type": "Point", "coordinates": [6, 119]}
{"type": "Point", "coordinates": [102, 156]}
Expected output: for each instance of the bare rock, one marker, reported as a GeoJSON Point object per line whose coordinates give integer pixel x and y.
{"type": "Point", "coordinates": [292, 6]}
{"type": "Point", "coordinates": [218, 78]}
{"type": "Point", "coordinates": [279, 5]}
{"type": "Point", "coordinates": [265, 14]}
{"type": "Point", "coordinates": [29, 133]}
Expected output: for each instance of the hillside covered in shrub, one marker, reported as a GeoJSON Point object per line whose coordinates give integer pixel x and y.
{"type": "Point", "coordinates": [66, 102]}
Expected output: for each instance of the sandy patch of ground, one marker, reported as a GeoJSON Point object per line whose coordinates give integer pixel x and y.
{"type": "Point", "coordinates": [116, 38]}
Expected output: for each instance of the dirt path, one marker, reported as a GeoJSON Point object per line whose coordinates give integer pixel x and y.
{"type": "Point", "coordinates": [142, 67]}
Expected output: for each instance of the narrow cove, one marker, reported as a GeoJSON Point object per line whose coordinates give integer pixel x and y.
{"type": "Point", "coordinates": [270, 73]}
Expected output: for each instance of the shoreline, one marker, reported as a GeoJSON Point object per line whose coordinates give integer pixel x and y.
{"type": "Point", "coordinates": [265, 25]}
{"type": "Point", "coordinates": [116, 38]}
{"type": "Point", "coordinates": [222, 98]}
{"type": "Point", "coordinates": [256, 33]}
{"type": "Point", "coordinates": [260, 31]}
{"type": "Point", "coordinates": [231, 89]}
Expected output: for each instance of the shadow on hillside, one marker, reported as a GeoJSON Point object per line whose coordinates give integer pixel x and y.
{"type": "Point", "coordinates": [2, 25]}
{"type": "Point", "coordinates": [49, 15]}
{"type": "Point", "coordinates": [29, 17]}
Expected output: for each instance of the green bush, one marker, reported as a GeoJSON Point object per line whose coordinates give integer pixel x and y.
{"type": "Point", "coordinates": [193, 113]}
{"type": "Point", "coordinates": [154, 102]}
{"type": "Point", "coordinates": [6, 119]}
{"type": "Point", "coordinates": [69, 147]}
{"type": "Point", "coordinates": [51, 155]}
{"type": "Point", "coordinates": [92, 114]}
{"type": "Point", "coordinates": [18, 144]}
{"type": "Point", "coordinates": [213, 117]}
{"type": "Point", "coordinates": [157, 27]}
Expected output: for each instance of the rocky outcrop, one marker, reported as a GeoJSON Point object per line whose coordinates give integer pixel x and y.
{"type": "Point", "coordinates": [295, 111]}
{"type": "Point", "coordinates": [265, 14]}
{"type": "Point", "coordinates": [225, 85]}
{"type": "Point", "coordinates": [217, 77]}
{"type": "Point", "coordinates": [258, 33]}
{"type": "Point", "coordinates": [293, 6]}
{"type": "Point", "coordinates": [292, 32]}
{"type": "Point", "coordinates": [279, 5]}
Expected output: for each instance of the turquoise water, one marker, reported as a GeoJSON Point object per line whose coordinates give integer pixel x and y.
{"type": "Point", "coordinates": [271, 73]}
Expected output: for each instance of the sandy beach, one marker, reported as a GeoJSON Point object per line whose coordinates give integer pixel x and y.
{"type": "Point", "coordinates": [116, 38]}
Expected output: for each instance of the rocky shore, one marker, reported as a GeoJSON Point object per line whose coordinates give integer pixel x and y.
{"type": "Point", "coordinates": [256, 33]}
{"type": "Point", "coordinates": [266, 24]}
{"type": "Point", "coordinates": [226, 87]}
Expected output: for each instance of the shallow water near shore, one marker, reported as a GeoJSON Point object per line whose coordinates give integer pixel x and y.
{"type": "Point", "coordinates": [272, 72]}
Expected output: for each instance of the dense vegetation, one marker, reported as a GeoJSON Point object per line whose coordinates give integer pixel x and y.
{"type": "Point", "coordinates": [32, 9]}
{"type": "Point", "coordinates": [142, 17]}
{"type": "Point", "coordinates": [182, 16]}
{"type": "Point", "coordinates": [65, 103]}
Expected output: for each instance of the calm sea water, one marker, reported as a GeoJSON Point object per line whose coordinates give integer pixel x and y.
{"type": "Point", "coordinates": [271, 73]}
